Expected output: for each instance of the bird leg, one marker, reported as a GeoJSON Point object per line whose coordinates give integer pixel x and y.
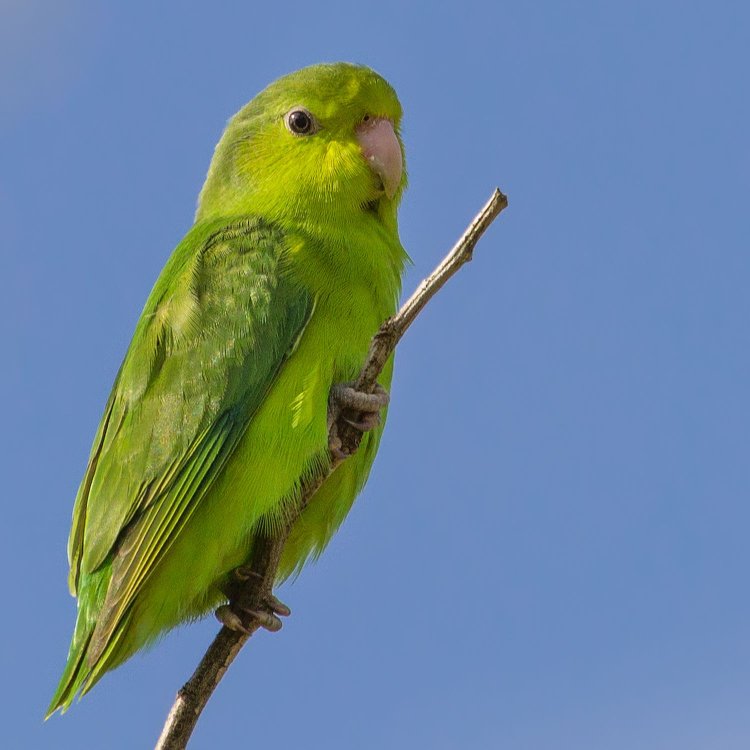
{"type": "Point", "coordinates": [359, 409]}
{"type": "Point", "coordinates": [235, 616]}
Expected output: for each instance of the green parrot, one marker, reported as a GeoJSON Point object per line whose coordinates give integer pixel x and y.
{"type": "Point", "coordinates": [221, 407]}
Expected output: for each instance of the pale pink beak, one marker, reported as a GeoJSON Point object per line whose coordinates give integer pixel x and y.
{"type": "Point", "coordinates": [382, 150]}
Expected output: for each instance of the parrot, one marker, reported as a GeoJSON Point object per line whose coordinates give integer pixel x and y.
{"type": "Point", "coordinates": [250, 339]}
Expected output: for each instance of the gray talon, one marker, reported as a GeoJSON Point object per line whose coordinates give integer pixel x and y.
{"type": "Point", "coordinates": [227, 616]}
{"type": "Point", "coordinates": [266, 620]}
{"type": "Point", "coordinates": [368, 421]}
{"type": "Point", "coordinates": [277, 606]}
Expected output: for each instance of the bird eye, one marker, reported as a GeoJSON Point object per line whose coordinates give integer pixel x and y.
{"type": "Point", "coordinates": [300, 122]}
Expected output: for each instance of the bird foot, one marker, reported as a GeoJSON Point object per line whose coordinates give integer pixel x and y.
{"type": "Point", "coordinates": [359, 409]}
{"type": "Point", "coordinates": [266, 616]}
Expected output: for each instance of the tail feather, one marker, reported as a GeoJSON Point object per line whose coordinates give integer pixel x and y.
{"type": "Point", "coordinates": [77, 674]}
{"type": "Point", "coordinates": [73, 676]}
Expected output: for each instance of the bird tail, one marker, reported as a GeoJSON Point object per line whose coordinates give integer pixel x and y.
{"type": "Point", "coordinates": [77, 676]}
{"type": "Point", "coordinates": [75, 670]}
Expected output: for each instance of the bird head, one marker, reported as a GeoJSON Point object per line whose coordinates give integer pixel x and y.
{"type": "Point", "coordinates": [322, 141]}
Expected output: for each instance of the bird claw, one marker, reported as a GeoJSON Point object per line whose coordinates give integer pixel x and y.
{"type": "Point", "coordinates": [267, 620]}
{"type": "Point", "coordinates": [367, 421]}
{"type": "Point", "coordinates": [267, 616]}
{"type": "Point", "coordinates": [345, 396]}
{"type": "Point", "coordinates": [359, 409]}
{"type": "Point", "coordinates": [277, 606]}
{"type": "Point", "coordinates": [230, 619]}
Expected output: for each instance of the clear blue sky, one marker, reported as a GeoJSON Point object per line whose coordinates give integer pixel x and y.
{"type": "Point", "coordinates": [552, 551]}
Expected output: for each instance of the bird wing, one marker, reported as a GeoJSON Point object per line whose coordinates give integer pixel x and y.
{"type": "Point", "coordinates": [216, 329]}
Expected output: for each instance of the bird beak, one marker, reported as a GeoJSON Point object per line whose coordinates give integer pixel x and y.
{"type": "Point", "coordinates": [381, 149]}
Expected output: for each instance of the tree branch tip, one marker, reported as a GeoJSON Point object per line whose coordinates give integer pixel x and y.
{"type": "Point", "coordinates": [499, 197]}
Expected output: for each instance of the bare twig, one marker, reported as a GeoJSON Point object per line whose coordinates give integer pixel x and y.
{"type": "Point", "coordinates": [195, 693]}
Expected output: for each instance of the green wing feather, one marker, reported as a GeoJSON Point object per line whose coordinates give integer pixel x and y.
{"type": "Point", "coordinates": [216, 329]}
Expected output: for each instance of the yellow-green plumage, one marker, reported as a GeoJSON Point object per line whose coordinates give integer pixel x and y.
{"type": "Point", "coordinates": [220, 406]}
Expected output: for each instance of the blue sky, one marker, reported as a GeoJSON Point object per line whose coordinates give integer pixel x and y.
{"type": "Point", "coordinates": [552, 550]}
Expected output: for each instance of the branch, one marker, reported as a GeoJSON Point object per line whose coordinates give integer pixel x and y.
{"type": "Point", "coordinates": [195, 693]}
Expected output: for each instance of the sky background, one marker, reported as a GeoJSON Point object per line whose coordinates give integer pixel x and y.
{"type": "Point", "coordinates": [552, 550]}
